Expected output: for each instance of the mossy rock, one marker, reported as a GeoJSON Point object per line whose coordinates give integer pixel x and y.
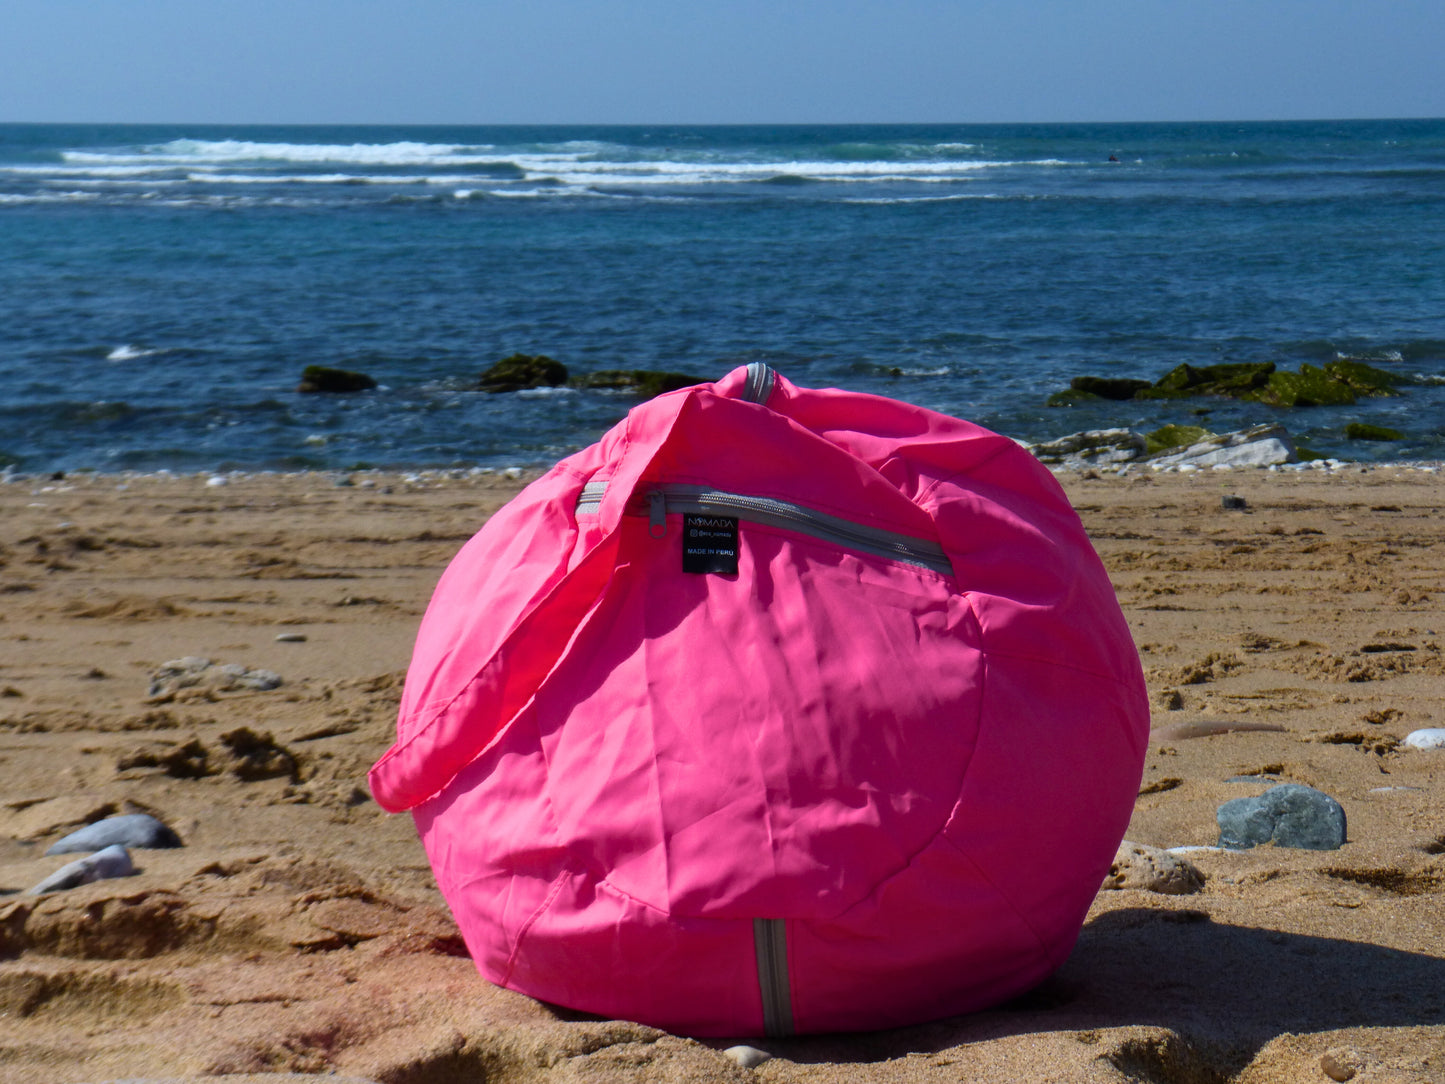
{"type": "Point", "coordinates": [1364, 431]}
{"type": "Point", "coordinates": [1072, 398]}
{"type": "Point", "coordinates": [1311, 386]}
{"type": "Point", "coordinates": [1233, 379]}
{"type": "Point", "coordinates": [646, 383]}
{"type": "Point", "coordinates": [1365, 379]}
{"type": "Point", "coordinates": [323, 378]}
{"type": "Point", "coordinates": [1118, 389]}
{"type": "Point", "coordinates": [1174, 436]}
{"type": "Point", "coordinates": [521, 371]}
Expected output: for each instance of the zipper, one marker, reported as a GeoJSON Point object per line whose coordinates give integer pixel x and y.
{"type": "Point", "coordinates": [770, 942]}
{"type": "Point", "coordinates": [771, 512]}
{"type": "Point", "coordinates": [658, 503]}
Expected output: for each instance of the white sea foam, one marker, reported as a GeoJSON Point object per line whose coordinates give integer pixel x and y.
{"type": "Point", "coordinates": [199, 151]}
{"type": "Point", "coordinates": [46, 197]}
{"type": "Point", "coordinates": [129, 352]}
{"type": "Point", "coordinates": [579, 162]}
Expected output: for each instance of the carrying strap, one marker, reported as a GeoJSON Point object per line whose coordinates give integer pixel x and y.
{"type": "Point", "coordinates": [471, 723]}
{"type": "Point", "coordinates": [458, 731]}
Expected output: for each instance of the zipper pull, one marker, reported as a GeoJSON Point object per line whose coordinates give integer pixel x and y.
{"type": "Point", "coordinates": [657, 514]}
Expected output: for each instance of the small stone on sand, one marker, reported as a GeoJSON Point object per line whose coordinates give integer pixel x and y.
{"type": "Point", "coordinates": [130, 830]}
{"type": "Point", "coordinates": [749, 1057]}
{"type": "Point", "coordinates": [101, 866]}
{"type": "Point", "coordinates": [1289, 815]}
{"type": "Point", "coordinates": [1152, 869]}
{"type": "Point", "coordinates": [1431, 738]}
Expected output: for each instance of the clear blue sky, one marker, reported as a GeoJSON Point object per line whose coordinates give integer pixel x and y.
{"type": "Point", "coordinates": [720, 61]}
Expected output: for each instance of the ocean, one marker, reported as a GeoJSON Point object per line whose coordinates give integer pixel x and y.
{"type": "Point", "coordinates": [162, 287]}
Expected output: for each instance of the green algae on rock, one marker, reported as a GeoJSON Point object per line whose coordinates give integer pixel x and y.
{"type": "Point", "coordinates": [517, 372]}
{"type": "Point", "coordinates": [1336, 383]}
{"type": "Point", "coordinates": [1174, 436]}
{"type": "Point", "coordinates": [647, 383]}
{"type": "Point", "coordinates": [1365, 431]}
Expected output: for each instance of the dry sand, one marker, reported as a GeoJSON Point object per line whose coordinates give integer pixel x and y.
{"type": "Point", "coordinates": [299, 930]}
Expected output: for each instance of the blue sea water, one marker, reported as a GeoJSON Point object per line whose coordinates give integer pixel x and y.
{"type": "Point", "coordinates": [161, 288]}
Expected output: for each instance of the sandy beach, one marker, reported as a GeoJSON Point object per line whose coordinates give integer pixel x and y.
{"type": "Point", "coordinates": [298, 930]}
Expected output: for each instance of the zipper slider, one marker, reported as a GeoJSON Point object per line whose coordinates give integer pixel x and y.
{"type": "Point", "coordinates": [657, 514]}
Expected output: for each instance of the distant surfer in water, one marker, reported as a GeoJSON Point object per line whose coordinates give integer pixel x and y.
{"type": "Point", "coordinates": [1113, 157]}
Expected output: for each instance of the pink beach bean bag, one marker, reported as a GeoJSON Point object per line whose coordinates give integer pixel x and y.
{"type": "Point", "coordinates": [776, 711]}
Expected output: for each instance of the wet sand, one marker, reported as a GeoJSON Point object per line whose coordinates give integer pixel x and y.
{"type": "Point", "coordinates": [299, 930]}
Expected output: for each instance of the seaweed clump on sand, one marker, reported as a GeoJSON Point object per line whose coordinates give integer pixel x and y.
{"type": "Point", "coordinates": [1336, 383]}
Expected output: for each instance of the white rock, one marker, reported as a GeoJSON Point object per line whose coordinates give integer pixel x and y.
{"type": "Point", "coordinates": [1091, 448]}
{"type": "Point", "coordinates": [1431, 738]}
{"type": "Point", "coordinates": [749, 1057]}
{"type": "Point", "coordinates": [217, 480]}
{"type": "Point", "coordinates": [1260, 446]}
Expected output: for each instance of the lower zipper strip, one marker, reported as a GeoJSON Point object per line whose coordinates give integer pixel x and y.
{"type": "Point", "coordinates": [770, 941]}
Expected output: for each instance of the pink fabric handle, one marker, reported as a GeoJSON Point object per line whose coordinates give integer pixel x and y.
{"type": "Point", "coordinates": [414, 770]}
{"type": "Point", "coordinates": [451, 736]}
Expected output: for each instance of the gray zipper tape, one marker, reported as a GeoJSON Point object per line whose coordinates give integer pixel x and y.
{"type": "Point", "coordinates": [770, 940]}
{"type": "Point", "coordinates": [759, 386]}
{"type": "Point", "coordinates": [704, 500]}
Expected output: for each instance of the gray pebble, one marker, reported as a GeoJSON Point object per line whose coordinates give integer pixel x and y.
{"type": "Point", "coordinates": [749, 1057]}
{"type": "Point", "coordinates": [1289, 815]}
{"type": "Point", "coordinates": [131, 830]}
{"type": "Point", "coordinates": [291, 638]}
{"type": "Point", "coordinates": [193, 670]}
{"type": "Point", "coordinates": [100, 866]}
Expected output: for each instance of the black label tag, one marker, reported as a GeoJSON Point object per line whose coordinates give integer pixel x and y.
{"type": "Point", "coordinates": [710, 544]}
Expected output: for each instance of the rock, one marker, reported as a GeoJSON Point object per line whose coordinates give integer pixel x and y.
{"type": "Point", "coordinates": [1091, 448]}
{"type": "Point", "coordinates": [1231, 503]}
{"type": "Point", "coordinates": [1289, 815]}
{"type": "Point", "coordinates": [290, 637]}
{"type": "Point", "coordinates": [1430, 738]}
{"type": "Point", "coordinates": [749, 1057]}
{"type": "Point", "coordinates": [1311, 386]}
{"type": "Point", "coordinates": [1234, 380]}
{"type": "Point", "coordinates": [1337, 382]}
{"type": "Point", "coordinates": [1343, 1063]}
{"type": "Point", "coordinates": [111, 862]}
{"type": "Point", "coordinates": [1260, 446]}
{"type": "Point", "coordinates": [1152, 869]}
{"type": "Point", "coordinates": [647, 383]}
{"type": "Point", "coordinates": [521, 371]}
{"type": "Point", "coordinates": [193, 671]}
{"type": "Point", "coordinates": [131, 830]}
{"type": "Point", "coordinates": [322, 378]}
{"type": "Point", "coordinates": [1362, 431]}
{"type": "Point", "coordinates": [1174, 436]}
{"type": "Point", "coordinates": [1116, 389]}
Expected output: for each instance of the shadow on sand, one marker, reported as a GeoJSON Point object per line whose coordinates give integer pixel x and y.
{"type": "Point", "coordinates": [1223, 991]}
